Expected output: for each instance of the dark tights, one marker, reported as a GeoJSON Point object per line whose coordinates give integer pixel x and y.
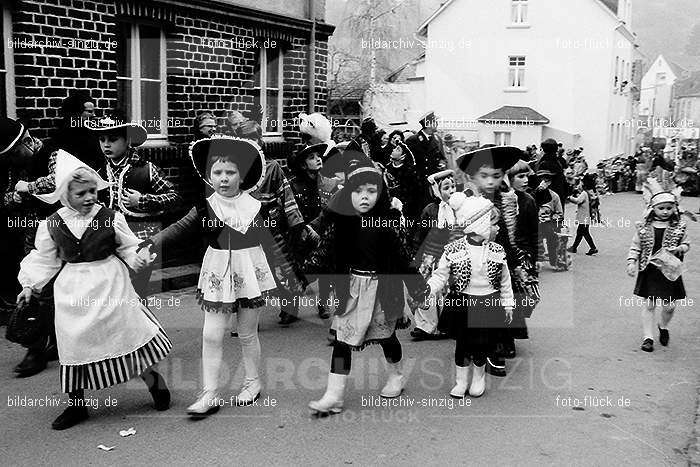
{"type": "Point", "coordinates": [341, 360]}
{"type": "Point", "coordinates": [462, 357]}
{"type": "Point", "coordinates": [583, 232]}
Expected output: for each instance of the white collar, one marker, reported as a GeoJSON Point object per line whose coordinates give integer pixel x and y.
{"type": "Point", "coordinates": [237, 212]}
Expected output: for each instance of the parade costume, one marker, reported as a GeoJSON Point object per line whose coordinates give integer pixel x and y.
{"type": "Point", "coordinates": [429, 241]}
{"type": "Point", "coordinates": [105, 335]}
{"type": "Point", "coordinates": [506, 202]}
{"type": "Point", "coordinates": [402, 180]}
{"type": "Point", "coordinates": [656, 254]}
{"type": "Point", "coordinates": [130, 172]}
{"type": "Point", "coordinates": [312, 194]}
{"type": "Point", "coordinates": [235, 276]}
{"type": "Point", "coordinates": [38, 171]}
{"type": "Point", "coordinates": [481, 290]}
{"type": "Point", "coordinates": [368, 261]}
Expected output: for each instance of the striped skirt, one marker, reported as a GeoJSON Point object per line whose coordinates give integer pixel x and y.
{"type": "Point", "coordinates": [106, 373]}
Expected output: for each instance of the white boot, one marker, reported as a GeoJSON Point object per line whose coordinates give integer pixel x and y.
{"type": "Point", "coordinates": [332, 400]}
{"type": "Point", "coordinates": [207, 403]}
{"type": "Point", "coordinates": [462, 380]}
{"type": "Point", "coordinates": [250, 392]}
{"type": "Point", "coordinates": [395, 382]}
{"type": "Point", "coordinates": [478, 386]}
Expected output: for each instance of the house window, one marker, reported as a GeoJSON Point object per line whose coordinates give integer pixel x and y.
{"type": "Point", "coordinates": [617, 74]}
{"type": "Point", "coordinates": [268, 88]}
{"type": "Point", "coordinates": [516, 72]}
{"type": "Point", "coordinates": [141, 82]}
{"type": "Point", "coordinates": [7, 89]}
{"type": "Point", "coordinates": [660, 77]}
{"type": "Point", "coordinates": [518, 13]}
{"type": "Point", "coordinates": [501, 138]}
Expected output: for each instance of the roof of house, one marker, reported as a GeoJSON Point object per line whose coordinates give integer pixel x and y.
{"type": "Point", "coordinates": [678, 70]}
{"type": "Point", "coordinates": [511, 113]}
{"type": "Point", "coordinates": [423, 28]}
{"type": "Point", "coordinates": [689, 87]}
{"type": "Point", "coordinates": [395, 74]}
{"type": "Point", "coordinates": [611, 4]}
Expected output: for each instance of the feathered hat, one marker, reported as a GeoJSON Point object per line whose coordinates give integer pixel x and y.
{"type": "Point", "coordinates": [655, 192]}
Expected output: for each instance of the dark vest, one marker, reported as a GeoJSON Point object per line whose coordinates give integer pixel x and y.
{"type": "Point", "coordinates": [138, 178]}
{"type": "Point", "coordinates": [97, 243]}
{"type": "Point", "coordinates": [222, 237]}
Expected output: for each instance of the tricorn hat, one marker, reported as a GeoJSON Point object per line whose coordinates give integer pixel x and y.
{"type": "Point", "coordinates": [246, 153]}
{"type": "Point", "coordinates": [116, 121]}
{"type": "Point", "coordinates": [498, 157]}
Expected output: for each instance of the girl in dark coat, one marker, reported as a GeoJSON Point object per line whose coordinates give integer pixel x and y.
{"type": "Point", "coordinates": [364, 246]}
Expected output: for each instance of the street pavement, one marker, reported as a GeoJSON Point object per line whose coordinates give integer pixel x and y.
{"type": "Point", "coordinates": [580, 391]}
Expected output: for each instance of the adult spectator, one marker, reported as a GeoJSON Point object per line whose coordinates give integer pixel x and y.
{"type": "Point", "coordinates": [72, 136]}
{"type": "Point", "coordinates": [204, 125]}
{"type": "Point", "coordinates": [550, 162]}
{"type": "Point", "coordinates": [365, 142]}
{"type": "Point", "coordinates": [427, 148]}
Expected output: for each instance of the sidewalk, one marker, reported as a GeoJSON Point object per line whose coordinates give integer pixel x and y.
{"type": "Point", "coordinates": [694, 443]}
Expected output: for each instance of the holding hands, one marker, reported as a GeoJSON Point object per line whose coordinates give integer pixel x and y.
{"type": "Point", "coordinates": [144, 258]}
{"type": "Point", "coordinates": [22, 187]}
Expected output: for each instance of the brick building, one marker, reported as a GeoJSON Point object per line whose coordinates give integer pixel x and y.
{"type": "Point", "coordinates": [164, 61]}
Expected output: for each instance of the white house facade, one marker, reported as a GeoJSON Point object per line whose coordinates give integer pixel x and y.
{"type": "Point", "coordinates": [519, 71]}
{"type": "Point", "coordinates": [657, 89]}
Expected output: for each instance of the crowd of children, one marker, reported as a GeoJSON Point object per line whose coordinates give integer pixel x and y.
{"type": "Point", "coordinates": [468, 259]}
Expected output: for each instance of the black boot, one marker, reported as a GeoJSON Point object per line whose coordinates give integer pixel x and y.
{"type": "Point", "coordinates": [34, 362]}
{"type": "Point", "coordinates": [287, 318]}
{"type": "Point", "coordinates": [323, 312]}
{"type": "Point", "coordinates": [496, 366]}
{"type": "Point", "coordinates": [74, 414]}
{"type": "Point", "coordinates": [158, 389]}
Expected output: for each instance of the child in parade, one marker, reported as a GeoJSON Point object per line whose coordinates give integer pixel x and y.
{"type": "Point", "coordinates": [550, 217]}
{"type": "Point", "coordinates": [138, 188]}
{"type": "Point", "coordinates": [429, 241]}
{"type": "Point", "coordinates": [486, 170]}
{"type": "Point", "coordinates": [235, 275]}
{"type": "Point", "coordinates": [526, 229]}
{"type": "Point", "coordinates": [312, 191]}
{"type": "Point", "coordinates": [364, 248]}
{"type": "Point", "coordinates": [484, 303]}
{"type": "Point", "coordinates": [279, 210]}
{"type": "Point", "coordinates": [583, 217]}
{"type": "Point", "coordinates": [105, 334]}
{"type": "Point", "coordinates": [655, 256]}
{"type": "Point", "coordinates": [403, 183]}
